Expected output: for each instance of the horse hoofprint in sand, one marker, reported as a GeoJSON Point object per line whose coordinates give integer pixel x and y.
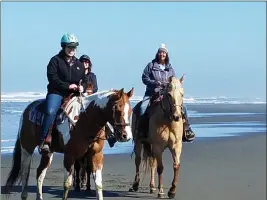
{"type": "Point", "coordinates": [89, 115]}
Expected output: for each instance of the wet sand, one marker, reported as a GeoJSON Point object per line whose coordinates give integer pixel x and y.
{"type": "Point", "coordinates": [229, 168]}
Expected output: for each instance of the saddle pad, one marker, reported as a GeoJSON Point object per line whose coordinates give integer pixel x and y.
{"type": "Point", "coordinates": [36, 114]}
{"type": "Point", "coordinates": [73, 109]}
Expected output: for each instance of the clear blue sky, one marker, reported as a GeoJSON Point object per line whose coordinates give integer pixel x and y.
{"type": "Point", "coordinates": [221, 47]}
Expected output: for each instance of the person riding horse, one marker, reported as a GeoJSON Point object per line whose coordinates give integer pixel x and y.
{"type": "Point", "coordinates": [64, 73]}
{"type": "Point", "coordinates": [91, 77]}
{"type": "Point", "coordinates": [155, 76]}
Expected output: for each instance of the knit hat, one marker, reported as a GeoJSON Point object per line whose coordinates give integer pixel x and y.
{"type": "Point", "coordinates": [163, 48]}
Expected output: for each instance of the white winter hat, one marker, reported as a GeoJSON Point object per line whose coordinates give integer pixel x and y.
{"type": "Point", "coordinates": [163, 48]}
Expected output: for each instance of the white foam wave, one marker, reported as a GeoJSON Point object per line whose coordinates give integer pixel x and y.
{"type": "Point", "coordinates": [31, 96]}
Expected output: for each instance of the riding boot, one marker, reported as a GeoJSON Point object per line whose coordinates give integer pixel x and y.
{"type": "Point", "coordinates": [111, 138]}
{"type": "Point", "coordinates": [189, 135]}
{"type": "Point", "coordinates": [43, 147]}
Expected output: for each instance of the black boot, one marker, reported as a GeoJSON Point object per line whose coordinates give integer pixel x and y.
{"type": "Point", "coordinates": [189, 135]}
{"type": "Point", "coordinates": [111, 137]}
{"type": "Point", "coordinates": [111, 141]}
{"type": "Point", "coordinates": [43, 148]}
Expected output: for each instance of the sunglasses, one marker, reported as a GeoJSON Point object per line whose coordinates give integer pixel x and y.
{"type": "Point", "coordinates": [85, 61]}
{"type": "Point", "coordinates": [70, 47]}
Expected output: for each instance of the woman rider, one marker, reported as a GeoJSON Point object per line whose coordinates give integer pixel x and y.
{"type": "Point", "coordinates": [155, 75]}
{"type": "Point", "coordinates": [64, 72]}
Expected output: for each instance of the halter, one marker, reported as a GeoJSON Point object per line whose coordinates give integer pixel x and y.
{"type": "Point", "coordinates": [116, 124]}
{"type": "Point", "coordinates": [171, 105]}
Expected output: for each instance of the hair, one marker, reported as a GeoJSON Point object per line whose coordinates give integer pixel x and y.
{"type": "Point", "coordinates": [156, 59]}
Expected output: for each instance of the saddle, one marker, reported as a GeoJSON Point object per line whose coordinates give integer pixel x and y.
{"type": "Point", "coordinates": [144, 120]}
{"type": "Point", "coordinates": [69, 110]}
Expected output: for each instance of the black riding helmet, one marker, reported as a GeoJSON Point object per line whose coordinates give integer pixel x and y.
{"type": "Point", "coordinates": [84, 57]}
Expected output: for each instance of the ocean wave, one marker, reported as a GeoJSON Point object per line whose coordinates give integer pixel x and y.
{"type": "Point", "coordinates": [31, 96]}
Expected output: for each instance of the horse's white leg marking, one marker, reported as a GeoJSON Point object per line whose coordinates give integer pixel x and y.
{"type": "Point", "coordinates": [40, 180]}
{"type": "Point", "coordinates": [68, 178]}
{"type": "Point", "coordinates": [97, 175]}
{"type": "Point", "coordinates": [25, 171]}
{"type": "Point", "coordinates": [126, 119]}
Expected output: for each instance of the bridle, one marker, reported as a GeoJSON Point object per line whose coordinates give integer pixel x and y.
{"type": "Point", "coordinates": [117, 125]}
{"type": "Point", "coordinates": [172, 106]}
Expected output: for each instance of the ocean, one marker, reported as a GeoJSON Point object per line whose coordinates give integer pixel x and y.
{"type": "Point", "coordinates": [214, 117]}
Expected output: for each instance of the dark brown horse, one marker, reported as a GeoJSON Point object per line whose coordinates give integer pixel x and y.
{"type": "Point", "coordinates": [87, 116]}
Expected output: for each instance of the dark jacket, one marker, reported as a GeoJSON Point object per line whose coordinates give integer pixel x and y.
{"type": "Point", "coordinates": [152, 73]}
{"type": "Point", "coordinates": [91, 78]}
{"type": "Point", "coordinates": [61, 75]}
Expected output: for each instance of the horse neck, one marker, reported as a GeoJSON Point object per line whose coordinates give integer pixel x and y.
{"type": "Point", "coordinates": [90, 122]}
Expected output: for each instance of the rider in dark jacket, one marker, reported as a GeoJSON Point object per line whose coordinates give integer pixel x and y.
{"type": "Point", "coordinates": [64, 73]}
{"type": "Point", "coordinates": [155, 75]}
{"type": "Point", "coordinates": [91, 77]}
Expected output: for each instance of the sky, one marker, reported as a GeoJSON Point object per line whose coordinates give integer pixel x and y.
{"type": "Point", "coordinates": [220, 46]}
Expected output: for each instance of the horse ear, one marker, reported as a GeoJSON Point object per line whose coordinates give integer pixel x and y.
{"type": "Point", "coordinates": [182, 79]}
{"type": "Point", "coordinates": [170, 79]}
{"type": "Point", "coordinates": [130, 93]}
{"type": "Point", "coordinates": [120, 93]}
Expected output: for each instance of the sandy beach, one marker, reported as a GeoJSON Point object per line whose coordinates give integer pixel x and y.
{"type": "Point", "coordinates": [229, 168]}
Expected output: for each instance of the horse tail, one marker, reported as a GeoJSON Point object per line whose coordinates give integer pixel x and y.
{"type": "Point", "coordinates": [14, 174]}
{"type": "Point", "coordinates": [147, 156]}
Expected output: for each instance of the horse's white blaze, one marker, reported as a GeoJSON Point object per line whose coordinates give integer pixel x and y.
{"type": "Point", "coordinates": [128, 129]}
{"type": "Point", "coordinates": [40, 179]}
{"type": "Point", "coordinates": [68, 178]}
{"type": "Point", "coordinates": [98, 183]}
{"type": "Point", "coordinates": [25, 166]}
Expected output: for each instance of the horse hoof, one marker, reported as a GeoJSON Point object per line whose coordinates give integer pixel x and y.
{"type": "Point", "coordinates": [133, 189]}
{"type": "Point", "coordinates": [152, 190]}
{"type": "Point", "coordinates": [161, 195]}
{"type": "Point", "coordinates": [171, 195]}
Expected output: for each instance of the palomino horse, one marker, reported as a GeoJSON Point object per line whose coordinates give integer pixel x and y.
{"type": "Point", "coordinates": [165, 130]}
{"type": "Point", "coordinates": [88, 115]}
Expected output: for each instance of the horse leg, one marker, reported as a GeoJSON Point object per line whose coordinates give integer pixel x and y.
{"type": "Point", "coordinates": [77, 169]}
{"type": "Point", "coordinates": [176, 153]}
{"type": "Point", "coordinates": [83, 173]}
{"type": "Point", "coordinates": [88, 172]}
{"type": "Point", "coordinates": [153, 165]}
{"type": "Point", "coordinates": [68, 174]}
{"type": "Point", "coordinates": [45, 163]}
{"type": "Point", "coordinates": [26, 158]}
{"type": "Point", "coordinates": [97, 160]}
{"type": "Point", "coordinates": [157, 152]}
{"type": "Point", "coordinates": [137, 151]}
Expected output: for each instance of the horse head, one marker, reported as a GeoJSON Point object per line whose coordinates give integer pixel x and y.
{"type": "Point", "coordinates": [118, 112]}
{"type": "Point", "coordinates": [173, 98]}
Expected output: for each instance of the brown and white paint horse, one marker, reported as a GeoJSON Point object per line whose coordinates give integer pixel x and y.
{"type": "Point", "coordinates": [165, 131]}
{"type": "Point", "coordinates": [86, 165]}
{"type": "Point", "coordinates": [99, 108]}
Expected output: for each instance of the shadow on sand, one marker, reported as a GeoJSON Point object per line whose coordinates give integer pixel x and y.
{"type": "Point", "coordinates": [57, 192]}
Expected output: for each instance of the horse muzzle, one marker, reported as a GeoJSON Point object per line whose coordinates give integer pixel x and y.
{"type": "Point", "coordinates": [175, 118]}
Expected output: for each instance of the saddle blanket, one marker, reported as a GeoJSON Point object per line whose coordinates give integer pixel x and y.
{"type": "Point", "coordinates": [36, 113]}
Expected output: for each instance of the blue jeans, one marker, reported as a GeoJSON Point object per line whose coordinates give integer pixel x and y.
{"type": "Point", "coordinates": [53, 103]}
{"type": "Point", "coordinates": [144, 105]}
